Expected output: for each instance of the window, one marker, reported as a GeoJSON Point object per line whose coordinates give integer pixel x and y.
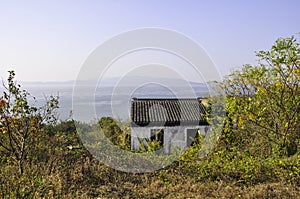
{"type": "Point", "coordinates": [192, 136]}
{"type": "Point", "coordinates": [157, 135]}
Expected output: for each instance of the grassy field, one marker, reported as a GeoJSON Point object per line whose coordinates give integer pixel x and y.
{"type": "Point", "coordinates": [56, 171]}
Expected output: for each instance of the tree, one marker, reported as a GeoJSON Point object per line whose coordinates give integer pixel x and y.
{"type": "Point", "coordinates": [111, 129]}
{"type": "Point", "coordinates": [264, 101]}
{"type": "Point", "coordinates": [21, 122]}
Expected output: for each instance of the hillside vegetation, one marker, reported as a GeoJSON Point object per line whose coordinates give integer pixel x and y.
{"type": "Point", "coordinates": [256, 156]}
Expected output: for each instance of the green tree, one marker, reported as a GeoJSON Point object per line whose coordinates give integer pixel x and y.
{"type": "Point", "coordinates": [21, 122]}
{"type": "Point", "coordinates": [263, 102]}
{"type": "Point", "coordinates": [110, 128]}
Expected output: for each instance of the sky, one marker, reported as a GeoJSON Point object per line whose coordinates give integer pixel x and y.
{"type": "Point", "coordinates": [51, 40]}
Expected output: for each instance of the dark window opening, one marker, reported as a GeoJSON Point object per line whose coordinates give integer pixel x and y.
{"type": "Point", "coordinates": [157, 135]}
{"type": "Point", "coordinates": [192, 136]}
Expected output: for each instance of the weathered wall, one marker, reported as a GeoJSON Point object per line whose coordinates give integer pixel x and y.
{"type": "Point", "coordinates": [173, 136]}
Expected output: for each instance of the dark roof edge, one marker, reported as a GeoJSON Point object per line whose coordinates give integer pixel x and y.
{"type": "Point", "coordinates": [171, 124]}
{"type": "Point", "coordinates": [164, 99]}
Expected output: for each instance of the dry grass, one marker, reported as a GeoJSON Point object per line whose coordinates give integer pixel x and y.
{"type": "Point", "coordinates": [54, 171]}
{"type": "Point", "coordinates": [87, 178]}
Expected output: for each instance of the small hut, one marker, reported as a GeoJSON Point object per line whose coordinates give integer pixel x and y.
{"type": "Point", "coordinates": [174, 122]}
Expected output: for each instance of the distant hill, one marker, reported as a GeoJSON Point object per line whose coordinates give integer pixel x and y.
{"type": "Point", "coordinates": [118, 81]}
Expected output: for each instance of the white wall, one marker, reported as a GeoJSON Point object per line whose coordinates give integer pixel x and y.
{"type": "Point", "coordinates": [173, 136]}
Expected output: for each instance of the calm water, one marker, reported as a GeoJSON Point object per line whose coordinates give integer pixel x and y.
{"type": "Point", "coordinates": [106, 101]}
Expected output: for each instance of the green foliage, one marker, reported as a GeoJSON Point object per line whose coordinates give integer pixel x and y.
{"type": "Point", "coordinates": [112, 130]}
{"type": "Point", "coordinates": [154, 143]}
{"type": "Point", "coordinates": [263, 101]}
{"type": "Point", "coordinates": [21, 123]}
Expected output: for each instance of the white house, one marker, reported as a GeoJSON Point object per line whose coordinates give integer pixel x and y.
{"type": "Point", "coordinates": [174, 122]}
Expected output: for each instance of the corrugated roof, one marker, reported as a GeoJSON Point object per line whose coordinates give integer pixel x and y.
{"type": "Point", "coordinates": [167, 112]}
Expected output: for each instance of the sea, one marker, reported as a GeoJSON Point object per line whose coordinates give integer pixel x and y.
{"type": "Point", "coordinates": [105, 101]}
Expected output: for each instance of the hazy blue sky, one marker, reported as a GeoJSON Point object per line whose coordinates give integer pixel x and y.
{"type": "Point", "coordinates": [50, 40]}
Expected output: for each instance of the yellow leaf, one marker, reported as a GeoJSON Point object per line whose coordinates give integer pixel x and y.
{"type": "Point", "coordinates": [252, 117]}
{"type": "Point", "coordinates": [286, 125]}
